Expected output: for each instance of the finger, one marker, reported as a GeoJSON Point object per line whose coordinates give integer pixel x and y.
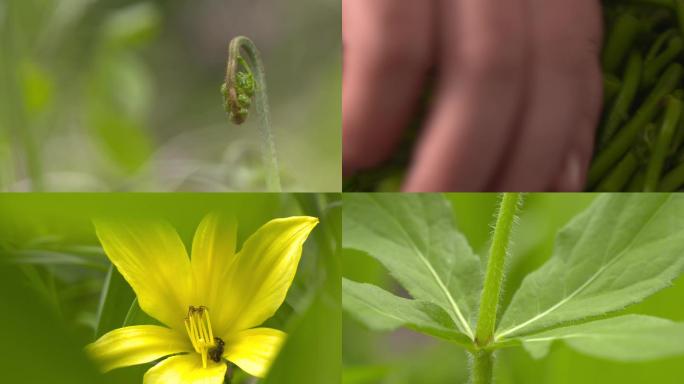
{"type": "Point", "coordinates": [387, 53]}
{"type": "Point", "coordinates": [564, 99]}
{"type": "Point", "coordinates": [482, 71]}
{"type": "Point", "coordinates": [572, 178]}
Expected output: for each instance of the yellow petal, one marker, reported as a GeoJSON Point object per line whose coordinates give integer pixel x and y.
{"type": "Point", "coordinates": [213, 249]}
{"type": "Point", "coordinates": [254, 350]}
{"type": "Point", "coordinates": [152, 258]}
{"type": "Point", "coordinates": [185, 369]}
{"type": "Point", "coordinates": [137, 345]}
{"type": "Point", "coordinates": [261, 274]}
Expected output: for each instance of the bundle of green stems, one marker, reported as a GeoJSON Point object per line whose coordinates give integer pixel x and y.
{"type": "Point", "coordinates": [639, 140]}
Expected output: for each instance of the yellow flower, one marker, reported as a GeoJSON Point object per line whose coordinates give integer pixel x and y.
{"type": "Point", "coordinates": [210, 303]}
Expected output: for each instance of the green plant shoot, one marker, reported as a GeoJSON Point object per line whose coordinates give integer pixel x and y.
{"type": "Point", "coordinates": [620, 250]}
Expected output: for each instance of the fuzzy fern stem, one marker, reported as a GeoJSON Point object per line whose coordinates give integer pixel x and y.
{"type": "Point", "coordinates": [242, 84]}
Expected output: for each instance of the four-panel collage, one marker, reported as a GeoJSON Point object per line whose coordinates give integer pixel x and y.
{"type": "Point", "coordinates": [342, 191]}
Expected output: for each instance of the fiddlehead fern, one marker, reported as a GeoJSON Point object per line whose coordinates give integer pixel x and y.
{"type": "Point", "coordinates": [244, 85]}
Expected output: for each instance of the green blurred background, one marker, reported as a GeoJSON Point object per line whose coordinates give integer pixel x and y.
{"type": "Point", "coordinates": [407, 357]}
{"type": "Point", "coordinates": [58, 290]}
{"type": "Point", "coordinates": [110, 95]}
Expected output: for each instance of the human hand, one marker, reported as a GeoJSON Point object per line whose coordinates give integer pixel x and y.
{"type": "Point", "coordinates": [515, 104]}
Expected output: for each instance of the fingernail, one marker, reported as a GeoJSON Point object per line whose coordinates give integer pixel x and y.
{"type": "Point", "coordinates": [572, 179]}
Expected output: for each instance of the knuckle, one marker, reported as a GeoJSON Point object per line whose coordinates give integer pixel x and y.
{"type": "Point", "coordinates": [570, 46]}
{"type": "Point", "coordinates": [494, 51]}
{"type": "Point", "coordinates": [397, 53]}
{"type": "Point", "coordinates": [490, 60]}
{"type": "Point", "coordinates": [570, 54]}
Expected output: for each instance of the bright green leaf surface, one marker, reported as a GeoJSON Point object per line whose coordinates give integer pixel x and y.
{"type": "Point", "coordinates": [384, 311]}
{"type": "Point", "coordinates": [414, 237]}
{"type": "Point", "coordinates": [623, 338]}
{"type": "Point", "coordinates": [622, 249]}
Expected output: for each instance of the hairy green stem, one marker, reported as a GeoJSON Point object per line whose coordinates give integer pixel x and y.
{"type": "Point", "coordinates": [491, 291]}
{"type": "Point", "coordinates": [239, 88]}
{"type": "Point", "coordinates": [482, 367]}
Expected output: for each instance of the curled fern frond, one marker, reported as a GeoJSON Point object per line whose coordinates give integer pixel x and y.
{"type": "Point", "coordinates": [244, 84]}
{"type": "Point", "coordinates": [239, 87]}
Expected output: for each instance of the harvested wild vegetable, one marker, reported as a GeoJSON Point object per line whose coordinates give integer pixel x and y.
{"type": "Point", "coordinates": [639, 140]}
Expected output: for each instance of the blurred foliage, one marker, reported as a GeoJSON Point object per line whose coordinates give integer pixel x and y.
{"type": "Point", "coordinates": [407, 357]}
{"type": "Point", "coordinates": [42, 351]}
{"type": "Point", "coordinates": [109, 95]}
{"type": "Point", "coordinates": [63, 293]}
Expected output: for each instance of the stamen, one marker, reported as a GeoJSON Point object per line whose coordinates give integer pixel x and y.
{"type": "Point", "coordinates": [192, 339]}
{"type": "Point", "coordinates": [198, 326]}
{"type": "Point", "coordinates": [211, 333]}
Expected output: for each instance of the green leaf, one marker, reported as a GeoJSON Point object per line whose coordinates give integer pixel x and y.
{"type": "Point", "coordinates": [383, 311]}
{"type": "Point", "coordinates": [54, 257]}
{"type": "Point", "coordinates": [623, 338]}
{"type": "Point", "coordinates": [115, 301]}
{"type": "Point", "coordinates": [623, 248]}
{"type": "Point", "coordinates": [414, 237]}
{"type": "Point", "coordinates": [37, 346]}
